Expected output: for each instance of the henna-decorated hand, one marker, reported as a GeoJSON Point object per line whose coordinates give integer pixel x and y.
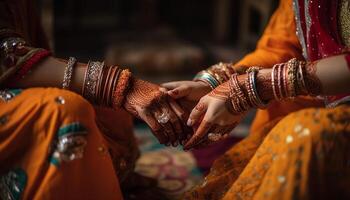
{"type": "Point", "coordinates": [148, 102]}
{"type": "Point", "coordinates": [212, 115]}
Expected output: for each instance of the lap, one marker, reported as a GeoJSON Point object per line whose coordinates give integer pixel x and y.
{"type": "Point", "coordinates": [304, 155]}
{"type": "Point", "coordinates": [36, 125]}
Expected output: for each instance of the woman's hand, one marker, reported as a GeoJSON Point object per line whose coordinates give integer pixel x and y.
{"type": "Point", "coordinates": [188, 90]}
{"type": "Point", "coordinates": [150, 103]}
{"type": "Point", "coordinates": [212, 117]}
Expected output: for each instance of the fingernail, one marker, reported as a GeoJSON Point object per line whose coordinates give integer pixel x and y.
{"type": "Point", "coordinates": [189, 122]}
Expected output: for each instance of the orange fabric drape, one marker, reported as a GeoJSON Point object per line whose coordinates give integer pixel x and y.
{"type": "Point", "coordinates": [29, 125]}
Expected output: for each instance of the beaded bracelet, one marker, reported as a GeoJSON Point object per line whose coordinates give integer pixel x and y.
{"type": "Point", "coordinates": [68, 72]}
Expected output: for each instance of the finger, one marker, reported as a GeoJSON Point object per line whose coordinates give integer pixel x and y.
{"type": "Point", "coordinates": [177, 109]}
{"type": "Point", "coordinates": [181, 114]}
{"type": "Point", "coordinates": [188, 132]}
{"type": "Point", "coordinates": [167, 127]}
{"type": "Point", "coordinates": [176, 125]}
{"type": "Point", "coordinates": [197, 113]}
{"type": "Point", "coordinates": [170, 132]}
{"type": "Point", "coordinates": [179, 92]}
{"type": "Point", "coordinates": [156, 128]}
{"type": "Point", "coordinates": [162, 89]}
{"type": "Point", "coordinates": [172, 85]}
{"type": "Point", "coordinates": [199, 134]}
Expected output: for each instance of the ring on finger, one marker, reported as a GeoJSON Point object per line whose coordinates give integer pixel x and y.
{"type": "Point", "coordinates": [163, 118]}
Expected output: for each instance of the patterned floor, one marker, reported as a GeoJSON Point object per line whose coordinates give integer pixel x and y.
{"type": "Point", "coordinates": [175, 169]}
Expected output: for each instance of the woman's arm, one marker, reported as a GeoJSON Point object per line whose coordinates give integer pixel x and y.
{"type": "Point", "coordinates": [328, 76]}
{"type": "Point", "coordinates": [225, 105]}
{"type": "Point", "coordinates": [49, 73]}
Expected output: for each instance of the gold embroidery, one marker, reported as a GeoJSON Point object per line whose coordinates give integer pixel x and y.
{"type": "Point", "coordinates": [344, 21]}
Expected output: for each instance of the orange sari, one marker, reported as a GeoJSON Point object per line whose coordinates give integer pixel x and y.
{"type": "Point", "coordinates": [34, 121]}
{"type": "Point", "coordinates": [296, 149]}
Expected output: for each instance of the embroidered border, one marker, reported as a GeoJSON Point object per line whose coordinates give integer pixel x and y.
{"type": "Point", "coordinates": [69, 144]}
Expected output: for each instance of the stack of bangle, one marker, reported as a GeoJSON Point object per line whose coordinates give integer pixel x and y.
{"type": "Point", "coordinates": [288, 79]}
{"type": "Point", "coordinates": [216, 74]}
{"type": "Point", "coordinates": [244, 99]}
{"type": "Point", "coordinates": [105, 86]}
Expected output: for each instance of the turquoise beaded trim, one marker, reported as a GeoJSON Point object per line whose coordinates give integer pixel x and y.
{"type": "Point", "coordinates": [7, 95]}
{"type": "Point", "coordinates": [68, 140]}
{"type": "Point", "coordinates": [73, 128]}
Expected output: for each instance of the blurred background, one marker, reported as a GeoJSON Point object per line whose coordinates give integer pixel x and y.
{"type": "Point", "coordinates": [160, 41]}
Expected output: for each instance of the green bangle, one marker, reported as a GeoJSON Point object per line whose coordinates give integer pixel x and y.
{"type": "Point", "coordinates": [208, 78]}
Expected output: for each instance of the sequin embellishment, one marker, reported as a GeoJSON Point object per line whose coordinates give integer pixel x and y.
{"type": "Point", "coordinates": [12, 184]}
{"type": "Point", "coordinates": [70, 143]}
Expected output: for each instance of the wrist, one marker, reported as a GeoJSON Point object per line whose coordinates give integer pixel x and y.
{"type": "Point", "coordinates": [204, 86]}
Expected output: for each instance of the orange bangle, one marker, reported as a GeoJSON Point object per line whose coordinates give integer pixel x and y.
{"type": "Point", "coordinates": [121, 88]}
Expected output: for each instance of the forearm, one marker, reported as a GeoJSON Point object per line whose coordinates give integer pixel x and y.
{"type": "Point", "coordinates": [258, 87]}
{"type": "Point", "coordinates": [49, 73]}
{"type": "Point", "coordinates": [329, 76]}
{"type": "Point", "coordinates": [333, 74]}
